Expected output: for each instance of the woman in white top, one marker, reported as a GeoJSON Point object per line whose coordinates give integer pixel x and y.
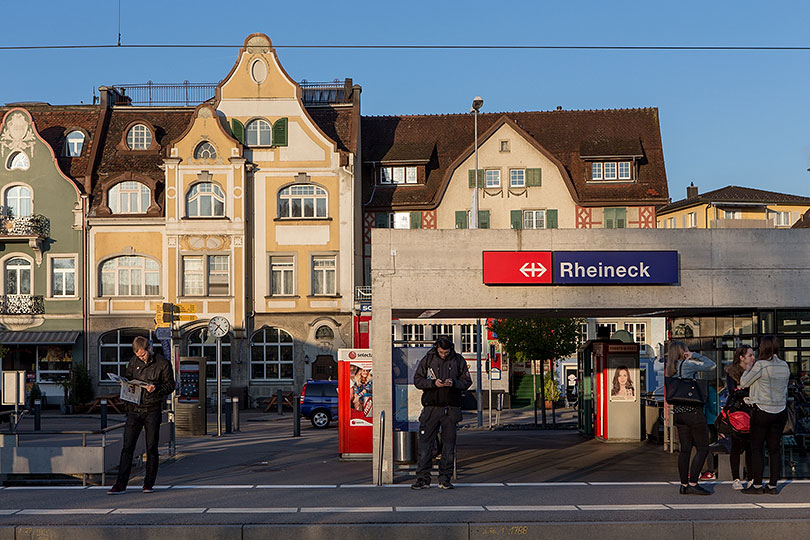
{"type": "Point", "coordinates": [768, 380]}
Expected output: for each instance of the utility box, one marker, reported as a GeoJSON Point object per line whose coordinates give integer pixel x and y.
{"type": "Point", "coordinates": [190, 413]}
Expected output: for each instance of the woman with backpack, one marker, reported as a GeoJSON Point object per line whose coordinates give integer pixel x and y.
{"type": "Point", "coordinates": [743, 360]}
{"type": "Point", "coordinates": [689, 419]}
{"type": "Point", "coordinates": [768, 381]}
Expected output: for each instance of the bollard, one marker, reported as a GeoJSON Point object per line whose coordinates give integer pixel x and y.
{"type": "Point", "coordinates": [279, 401]}
{"type": "Point", "coordinates": [103, 413]}
{"type": "Point", "coordinates": [37, 413]}
{"type": "Point", "coordinates": [296, 416]}
{"type": "Point", "coordinates": [228, 415]}
{"type": "Point", "coordinates": [235, 402]}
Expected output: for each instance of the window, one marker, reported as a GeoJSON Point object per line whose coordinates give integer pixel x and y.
{"type": "Point", "coordinates": [205, 199]}
{"type": "Point", "coordinates": [611, 171]}
{"type": "Point", "coordinates": [611, 328]}
{"type": "Point", "coordinates": [504, 146]}
{"type": "Point", "coordinates": [128, 198]}
{"type": "Point", "coordinates": [781, 219]}
{"type": "Point", "coordinates": [517, 178]}
{"type": "Point", "coordinates": [18, 160]}
{"type": "Point", "coordinates": [398, 175]}
{"type": "Point", "coordinates": [302, 201]}
{"type": "Point", "coordinates": [413, 335]}
{"type": "Point", "coordinates": [534, 219]}
{"type": "Point", "coordinates": [130, 275]}
{"type": "Point", "coordinates": [115, 350]}
{"type": "Point", "coordinates": [324, 332]}
{"type": "Point", "coordinates": [201, 343]}
{"type": "Point", "coordinates": [271, 355]}
{"type": "Point", "coordinates": [731, 214]}
{"type": "Point", "coordinates": [18, 276]}
{"type": "Point", "coordinates": [624, 170]}
{"type": "Point", "coordinates": [53, 363]}
{"type": "Point", "coordinates": [671, 222]}
{"type": "Point", "coordinates": [582, 333]}
{"type": "Point", "coordinates": [205, 150]}
{"type": "Point", "coordinates": [493, 178]}
{"type": "Point", "coordinates": [399, 220]}
{"type": "Point", "coordinates": [324, 273]}
{"type": "Point", "coordinates": [73, 143]}
{"type": "Point", "coordinates": [469, 338]}
{"type": "Point", "coordinates": [63, 276]}
{"type": "Point", "coordinates": [638, 331]}
{"type": "Point", "coordinates": [139, 137]}
{"type": "Point", "coordinates": [692, 219]}
{"type": "Point", "coordinates": [206, 275]}
{"type": "Point", "coordinates": [282, 276]}
{"type": "Point", "coordinates": [258, 133]}
{"type": "Point", "coordinates": [437, 330]}
{"type": "Point", "coordinates": [596, 171]}
{"type": "Point", "coordinates": [615, 218]}
{"type": "Point", "coordinates": [18, 201]}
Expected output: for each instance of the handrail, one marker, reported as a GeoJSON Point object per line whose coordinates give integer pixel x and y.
{"type": "Point", "coordinates": [382, 446]}
{"type": "Point", "coordinates": [75, 431]}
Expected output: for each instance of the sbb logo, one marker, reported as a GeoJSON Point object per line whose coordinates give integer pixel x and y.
{"type": "Point", "coordinates": [352, 355]}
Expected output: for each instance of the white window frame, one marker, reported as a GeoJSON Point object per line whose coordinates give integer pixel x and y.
{"type": "Point", "coordinates": [732, 214]}
{"type": "Point", "coordinates": [611, 172]}
{"type": "Point", "coordinates": [13, 198]}
{"type": "Point", "coordinates": [781, 219]}
{"type": "Point", "coordinates": [199, 191]}
{"type": "Point", "coordinates": [284, 266]}
{"type": "Point", "coordinates": [399, 220]}
{"type": "Point", "coordinates": [259, 132]}
{"type": "Point", "coordinates": [492, 178]}
{"type": "Point", "coordinates": [19, 270]}
{"type": "Point", "coordinates": [284, 353]}
{"type": "Point", "coordinates": [125, 194]}
{"type": "Point", "coordinates": [319, 266]}
{"type": "Point", "coordinates": [205, 150]}
{"type": "Point", "coordinates": [437, 330]}
{"type": "Point", "coordinates": [63, 274]}
{"type": "Point", "coordinates": [624, 170]}
{"type": "Point", "coordinates": [413, 335]}
{"type": "Point", "coordinates": [638, 330]}
{"type": "Point", "coordinates": [139, 137]}
{"type": "Point", "coordinates": [469, 337]}
{"type": "Point", "coordinates": [74, 146]}
{"type": "Point", "coordinates": [145, 269]}
{"type": "Point", "coordinates": [692, 219]}
{"type": "Point", "coordinates": [398, 175]}
{"type": "Point", "coordinates": [596, 171]}
{"type": "Point", "coordinates": [671, 222]}
{"type": "Point", "coordinates": [530, 219]}
{"type": "Point", "coordinates": [517, 178]}
{"type": "Point", "coordinates": [318, 200]}
{"type": "Point", "coordinates": [204, 275]}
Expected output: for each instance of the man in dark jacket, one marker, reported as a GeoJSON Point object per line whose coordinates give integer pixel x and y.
{"type": "Point", "coordinates": [442, 375]}
{"type": "Point", "coordinates": [156, 371]}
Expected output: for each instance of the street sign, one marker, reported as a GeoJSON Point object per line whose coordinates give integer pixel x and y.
{"type": "Point", "coordinates": [159, 322]}
{"type": "Point", "coordinates": [167, 307]}
{"type": "Point", "coordinates": [163, 332]}
{"type": "Point", "coordinates": [187, 317]}
{"type": "Point", "coordinates": [517, 267]}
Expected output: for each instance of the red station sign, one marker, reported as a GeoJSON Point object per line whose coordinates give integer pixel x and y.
{"type": "Point", "coordinates": [517, 267]}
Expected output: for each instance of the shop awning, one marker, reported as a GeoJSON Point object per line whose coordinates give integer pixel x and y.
{"type": "Point", "coordinates": [38, 338]}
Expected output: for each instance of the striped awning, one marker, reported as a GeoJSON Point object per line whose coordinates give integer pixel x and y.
{"type": "Point", "coordinates": [38, 338]}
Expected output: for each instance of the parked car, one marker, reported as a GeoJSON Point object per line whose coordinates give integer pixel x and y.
{"type": "Point", "coordinates": [319, 402]}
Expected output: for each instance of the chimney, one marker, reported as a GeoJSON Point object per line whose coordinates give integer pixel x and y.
{"type": "Point", "coordinates": [691, 191]}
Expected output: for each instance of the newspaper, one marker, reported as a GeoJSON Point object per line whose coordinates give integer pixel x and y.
{"type": "Point", "coordinates": [131, 390]}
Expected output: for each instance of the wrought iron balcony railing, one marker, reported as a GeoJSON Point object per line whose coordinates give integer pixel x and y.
{"type": "Point", "coordinates": [362, 294]}
{"type": "Point", "coordinates": [25, 226]}
{"type": "Point", "coordinates": [22, 304]}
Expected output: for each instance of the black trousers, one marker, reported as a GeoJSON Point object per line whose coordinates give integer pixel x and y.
{"type": "Point", "coordinates": [431, 419]}
{"type": "Point", "coordinates": [692, 431]}
{"type": "Point", "coordinates": [766, 428]}
{"type": "Point", "coordinates": [738, 446]}
{"type": "Point", "coordinates": [149, 421]}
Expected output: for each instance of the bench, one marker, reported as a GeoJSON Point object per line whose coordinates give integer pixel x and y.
{"type": "Point", "coordinates": [286, 399]}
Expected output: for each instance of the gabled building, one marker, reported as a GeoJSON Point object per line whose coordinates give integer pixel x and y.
{"type": "Point", "coordinates": [732, 207]}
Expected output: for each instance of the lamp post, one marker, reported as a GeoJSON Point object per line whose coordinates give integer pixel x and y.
{"type": "Point", "coordinates": [477, 103]}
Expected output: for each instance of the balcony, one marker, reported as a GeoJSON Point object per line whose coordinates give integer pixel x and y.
{"type": "Point", "coordinates": [21, 304]}
{"type": "Point", "coordinates": [362, 295]}
{"type": "Point", "coordinates": [34, 229]}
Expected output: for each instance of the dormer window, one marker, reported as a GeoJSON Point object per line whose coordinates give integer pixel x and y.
{"type": "Point", "coordinates": [139, 137]}
{"type": "Point", "coordinates": [73, 143]}
{"type": "Point", "coordinates": [398, 175]}
{"type": "Point", "coordinates": [611, 171]}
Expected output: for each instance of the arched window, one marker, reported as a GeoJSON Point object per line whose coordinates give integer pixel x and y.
{"type": "Point", "coordinates": [115, 350]}
{"type": "Point", "coordinates": [205, 199]}
{"type": "Point", "coordinates": [130, 275]}
{"type": "Point", "coordinates": [139, 137]}
{"type": "Point", "coordinates": [324, 332]}
{"type": "Point", "coordinates": [205, 150]}
{"type": "Point", "coordinates": [18, 201]}
{"type": "Point", "coordinates": [302, 201]}
{"type": "Point", "coordinates": [271, 355]}
{"type": "Point", "coordinates": [258, 133]}
{"type": "Point", "coordinates": [200, 343]}
{"type": "Point", "coordinates": [128, 198]}
{"type": "Point", "coordinates": [18, 276]}
{"type": "Point", "coordinates": [18, 160]}
{"type": "Point", "coordinates": [74, 143]}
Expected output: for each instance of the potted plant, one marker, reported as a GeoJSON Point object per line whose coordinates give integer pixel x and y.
{"type": "Point", "coordinates": [551, 390]}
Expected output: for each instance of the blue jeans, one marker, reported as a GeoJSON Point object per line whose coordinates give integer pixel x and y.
{"type": "Point", "coordinates": [137, 419]}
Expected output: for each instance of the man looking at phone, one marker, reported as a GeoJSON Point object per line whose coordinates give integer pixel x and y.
{"type": "Point", "coordinates": [442, 375]}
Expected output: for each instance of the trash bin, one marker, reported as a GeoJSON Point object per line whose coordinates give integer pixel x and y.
{"type": "Point", "coordinates": [405, 447]}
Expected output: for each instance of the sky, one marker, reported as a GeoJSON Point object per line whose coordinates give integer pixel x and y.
{"type": "Point", "coordinates": [727, 117]}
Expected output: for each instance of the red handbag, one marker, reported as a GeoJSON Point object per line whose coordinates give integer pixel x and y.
{"type": "Point", "coordinates": [740, 421]}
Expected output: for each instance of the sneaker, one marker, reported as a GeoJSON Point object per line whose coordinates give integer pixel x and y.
{"type": "Point", "coordinates": [148, 489]}
{"type": "Point", "coordinates": [770, 490]}
{"type": "Point", "coordinates": [421, 484]}
{"type": "Point", "coordinates": [737, 484]}
{"type": "Point", "coordinates": [753, 490]}
{"type": "Point", "coordinates": [445, 484]}
{"type": "Point", "coordinates": [708, 475]}
{"type": "Point", "coordinates": [117, 489]}
{"type": "Point", "coordinates": [694, 490]}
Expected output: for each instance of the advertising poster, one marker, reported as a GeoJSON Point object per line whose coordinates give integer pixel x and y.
{"type": "Point", "coordinates": [622, 385]}
{"type": "Point", "coordinates": [407, 398]}
{"type": "Point", "coordinates": [355, 403]}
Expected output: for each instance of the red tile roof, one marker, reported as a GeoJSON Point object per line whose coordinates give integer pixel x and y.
{"type": "Point", "coordinates": [735, 194]}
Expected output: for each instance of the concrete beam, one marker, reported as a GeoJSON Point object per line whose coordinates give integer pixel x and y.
{"type": "Point", "coordinates": [355, 531]}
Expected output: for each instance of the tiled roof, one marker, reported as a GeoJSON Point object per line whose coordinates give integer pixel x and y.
{"type": "Point", "coordinates": [54, 122]}
{"type": "Point", "coordinates": [336, 123]}
{"type": "Point", "coordinates": [804, 222]}
{"type": "Point", "coordinates": [735, 194]}
{"type": "Point", "coordinates": [564, 134]}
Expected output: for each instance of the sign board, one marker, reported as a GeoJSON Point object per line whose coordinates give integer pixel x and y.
{"type": "Point", "coordinates": [355, 403]}
{"type": "Point", "coordinates": [163, 333]}
{"type": "Point", "coordinates": [365, 308]}
{"type": "Point", "coordinates": [10, 395]}
{"type": "Point", "coordinates": [580, 267]}
{"type": "Point", "coordinates": [495, 374]}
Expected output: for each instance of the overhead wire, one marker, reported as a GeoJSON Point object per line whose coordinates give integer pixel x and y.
{"type": "Point", "coordinates": [428, 47]}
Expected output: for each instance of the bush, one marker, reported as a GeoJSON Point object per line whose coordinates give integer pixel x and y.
{"type": "Point", "coordinates": [80, 385]}
{"type": "Point", "coordinates": [551, 389]}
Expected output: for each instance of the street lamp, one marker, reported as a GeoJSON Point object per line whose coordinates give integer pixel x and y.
{"type": "Point", "coordinates": [477, 103]}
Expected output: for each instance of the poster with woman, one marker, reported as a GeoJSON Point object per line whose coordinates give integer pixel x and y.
{"type": "Point", "coordinates": [623, 387]}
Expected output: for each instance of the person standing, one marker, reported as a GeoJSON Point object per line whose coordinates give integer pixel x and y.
{"type": "Point", "coordinates": [743, 360]}
{"type": "Point", "coordinates": [442, 375]}
{"type": "Point", "coordinates": [690, 421]}
{"type": "Point", "coordinates": [156, 372]}
{"type": "Point", "coordinates": [768, 381]}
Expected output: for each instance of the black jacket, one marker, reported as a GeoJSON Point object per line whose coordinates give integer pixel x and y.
{"type": "Point", "coordinates": [432, 367]}
{"type": "Point", "coordinates": [157, 371]}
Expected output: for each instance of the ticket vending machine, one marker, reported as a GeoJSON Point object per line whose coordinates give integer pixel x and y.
{"type": "Point", "coordinates": [609, 390]}
{"type": "Point", "coordinates": [190, 396]}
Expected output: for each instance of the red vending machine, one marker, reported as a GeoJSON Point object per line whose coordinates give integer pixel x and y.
{"type": "Point", "coordinates": [355, 404]}
{"type": "Point", "coordinates": [616, 391]}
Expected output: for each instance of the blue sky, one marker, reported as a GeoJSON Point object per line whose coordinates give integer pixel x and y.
{"type": "Point", "coordinates": [727, 118]}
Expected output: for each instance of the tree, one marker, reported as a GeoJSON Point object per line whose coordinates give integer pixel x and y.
{"type": "Point", "coordinates": [537, 338]}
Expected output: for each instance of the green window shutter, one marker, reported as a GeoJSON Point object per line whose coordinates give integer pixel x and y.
{"type": "Point", "coordinates": [461, 219]}
{"type": "Point", "coordinates": [516, 217]}
{"type": "Point", "coordinates": [551, 218]}
{"type": "Point", "coordinates": [615, 218]}
{"type": "Point", "coordinates": [534, 177]}
{"type": "Point", "coordinates": [280, 132]}
{"type": "Point", "coordinates": [610, 218]}
{"type": "Point", "coordinates": [416, 220]}
{"type": "Point", "coordinates": [481, 175]}
{"type": "Point", "coordinates": [483, 219]}
{"type": "Point", "coordinates": [471, 178]}
{"type": "Point", "coordinates": [381, 220]}
{"type": "Point", "coordinates": [238, 130]}
{"type": "Point", "coordinates": [621, 218]}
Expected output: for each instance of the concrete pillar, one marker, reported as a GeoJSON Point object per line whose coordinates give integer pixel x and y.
{"type": "Point", "coordinates": [383, 385]}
